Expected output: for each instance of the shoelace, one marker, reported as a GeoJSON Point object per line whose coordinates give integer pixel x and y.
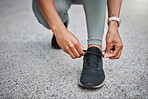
{"type": "Point", "coordinates": [93, 60]}
{"type": "Point", "coordinates": [101, 51]}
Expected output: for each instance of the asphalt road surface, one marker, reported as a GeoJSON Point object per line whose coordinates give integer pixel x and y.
{"type": "Point", "coordinates": [31, 68]}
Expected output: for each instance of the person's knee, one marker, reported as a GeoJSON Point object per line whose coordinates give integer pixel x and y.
{"type": "Point", "coordinates": [62, 7]}
{"type": "Point", "coordinates": [39, 15]}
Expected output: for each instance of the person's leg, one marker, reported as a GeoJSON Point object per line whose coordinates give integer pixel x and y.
{"type": "Point", "coordinates": [62, 7]}
{"type": "Point", "coordinates": [93, 75]}
{"type": "Point", "coordinates": [95, 18]}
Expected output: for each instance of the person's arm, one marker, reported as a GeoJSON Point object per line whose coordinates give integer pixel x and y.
{"type": "Point", "coordinates": [66, 40]}
{"type": "Point", "coordinates": [113, 36]}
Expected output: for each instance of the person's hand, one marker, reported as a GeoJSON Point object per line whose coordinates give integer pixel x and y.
{"type": "Point", "coordinates": [113, 40]}
{"type": "Point", "coordinates": [69, 43]}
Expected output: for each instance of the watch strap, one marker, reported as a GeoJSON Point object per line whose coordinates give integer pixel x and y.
{"type": "Point", "coordinates": [114, 19]}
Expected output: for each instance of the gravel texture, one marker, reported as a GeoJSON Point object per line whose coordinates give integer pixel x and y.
{"type": "Point", "coordinates": [31, 68]}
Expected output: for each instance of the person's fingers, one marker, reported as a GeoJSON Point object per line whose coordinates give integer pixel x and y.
{"type": "Point", "coordinates": [110, 55]}
{"type": "Point", "coordinates": [111, 52]}
{"type": "Point", "coordinates": [80, 49]}
{"type": "Point", "coordinates": [121, 47]}
{"type": "Point", "coordinates": [115, 53]}
{"type": "Point", "coordinates": [72, 47]}
{"type": "Point", "coordinates": [75, 52]}
{"type": "Point", "coordinates": [68, 50]}
{"type": "Point", "coordinates": [107, 50]}
{"type": "Point", "coordinates": [118, 56]}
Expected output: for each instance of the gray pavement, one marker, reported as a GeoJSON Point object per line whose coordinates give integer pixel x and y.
{"type": "Point", "coordinates": [31, 68]}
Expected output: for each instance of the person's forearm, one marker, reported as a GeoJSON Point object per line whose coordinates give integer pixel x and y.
{"type": "Point", "coordinates": [114, 9]}
{"type": "Point", "coordinates": [47, 7]}
{"type": "Point", "coordinates": [113, 39]}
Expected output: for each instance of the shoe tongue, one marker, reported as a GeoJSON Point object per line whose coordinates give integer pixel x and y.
{"type": "Point", "coordinates": [94, 50]}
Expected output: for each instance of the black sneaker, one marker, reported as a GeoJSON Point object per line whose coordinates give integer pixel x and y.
{"type": "Point", "coordinates": [92, 74]}
{"type": "Point", "coordinates": [54, 42]}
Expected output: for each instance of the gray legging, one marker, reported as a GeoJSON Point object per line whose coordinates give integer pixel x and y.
{"type": "Point", "coordinates": [95, 16]}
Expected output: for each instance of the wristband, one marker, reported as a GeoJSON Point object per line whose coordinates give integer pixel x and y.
{"type": "Point", "coordinates": [114, 19]}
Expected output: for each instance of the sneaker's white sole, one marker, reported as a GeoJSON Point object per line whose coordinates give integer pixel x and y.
{"type": "Point", "coordinates": [90, 86]}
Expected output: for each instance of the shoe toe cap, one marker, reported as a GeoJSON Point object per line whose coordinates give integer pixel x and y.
{"type": "Point", "coordinates": [92, 76]}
